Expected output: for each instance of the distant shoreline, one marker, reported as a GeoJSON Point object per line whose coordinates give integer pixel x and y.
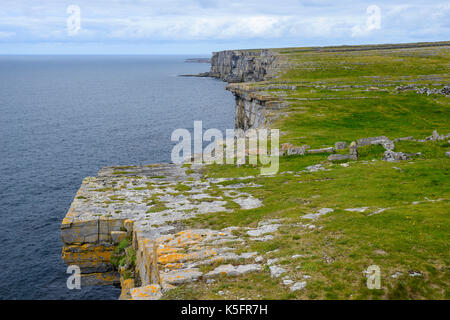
{"type": "Point", "coordinates": [198, 60]}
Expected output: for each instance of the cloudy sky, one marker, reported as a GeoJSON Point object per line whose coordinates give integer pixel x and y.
{"type": "Point", "coordinates": [202, 26]}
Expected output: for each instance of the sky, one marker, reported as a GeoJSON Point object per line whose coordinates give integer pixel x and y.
{"type": "Point", "coordinates": [203, 26]}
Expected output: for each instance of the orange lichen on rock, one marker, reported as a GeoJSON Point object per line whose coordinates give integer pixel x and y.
{"type": "Point", "coordinates": [149, 292]}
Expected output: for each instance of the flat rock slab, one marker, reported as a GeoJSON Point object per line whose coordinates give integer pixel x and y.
{"type": "Point", "coordinates": [339, 157]}
{"type": "Point", "coordinates": [263, 230]}
{"type": "Point", "coordinates": [262, 239]}
{"type": "Point", "coordinates": [298, 286]}
{"type": "Point", "coordinates": [362, 209]}
{"type": "Point", "coordinates": [248, 203]}
{"type": "Point", "coordinates": [231, 270]}
{"type": "Point", "coordinates": [276, 271]}
{"type": "Point", "coordinates": [321, 212]}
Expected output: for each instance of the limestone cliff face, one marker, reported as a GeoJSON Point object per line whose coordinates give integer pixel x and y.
{"type": "Point", "coordinates": [252, 106]}
{"type": "Point", "coordinates": [243, 65]}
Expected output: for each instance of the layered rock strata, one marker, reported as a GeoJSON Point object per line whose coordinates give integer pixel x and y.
{"type": "Point", "coordinates": [147, 205]}
{"type": "Point", "coordinates": [254, 106]}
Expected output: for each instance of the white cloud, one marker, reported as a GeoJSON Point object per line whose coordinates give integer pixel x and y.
{"type": "Point", "coordinates": [250, 21]}
{"type": "Point", "coordinates": [7, 34]}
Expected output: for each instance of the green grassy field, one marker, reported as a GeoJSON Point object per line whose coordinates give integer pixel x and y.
{"type": "Point", "coordinates": [406, 227]}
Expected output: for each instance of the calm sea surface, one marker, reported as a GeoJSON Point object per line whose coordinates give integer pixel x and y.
{"type": "Point", "coordinates": [63, 118]}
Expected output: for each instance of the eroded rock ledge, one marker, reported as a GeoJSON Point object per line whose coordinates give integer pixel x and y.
{"type": "Point", "coordinates": [253, 106]}
{"type": "Point", "coordinates": [147, 205]}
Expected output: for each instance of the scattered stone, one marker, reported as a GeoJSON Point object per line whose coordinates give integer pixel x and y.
{"type": "Point", "coordinates": [345, 165]}
{"type": "Point", "coordinates": [396, 275]}
{"type": "Point", "coordinates": [340, 145]}
{"type": "Point", "coordinates": [378, 211]}
{"type": "Point", "coordinates": [295, 256]}
{"type": "Point", "coordinates": [435, 135]}
{"type": "Point", "coordinates": [306, 276]}
{"type": "Point", "coordinates": [276, 271]}
{"type": "Point", "coordinates": [272, 261]}
{"type": "Point", "coordinates": [298, 286]}
{"type": "Point", "coordinates": [414, 274]}
{"type": "Point", "coordinates": [288, 282]}
{"type": "Point", "coordinates": [315, 168]}
{"type": "Point", "coordinates": [362, 209]}
{"type": "Point", "coordinates": [447, 153]}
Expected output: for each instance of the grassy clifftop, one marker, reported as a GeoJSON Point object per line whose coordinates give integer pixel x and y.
{"type": "Point", "coordinates": [391, 214]}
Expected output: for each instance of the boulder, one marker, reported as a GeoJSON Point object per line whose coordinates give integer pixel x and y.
{"type": "Point", "coordinates": [340, 145]}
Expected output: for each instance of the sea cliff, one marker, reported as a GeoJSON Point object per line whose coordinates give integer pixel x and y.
{"type": "Point", "coordinates": [365, 146]}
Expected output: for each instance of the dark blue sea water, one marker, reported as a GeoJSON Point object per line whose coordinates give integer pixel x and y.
{"type": "Point", "coordinates": [62, 118]}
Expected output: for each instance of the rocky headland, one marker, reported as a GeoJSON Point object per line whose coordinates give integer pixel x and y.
{"type": "Point", "coordinates": [346, 114]}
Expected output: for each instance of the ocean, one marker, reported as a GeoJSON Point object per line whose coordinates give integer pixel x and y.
{"type": "Point", "coordinates": [63, 118]}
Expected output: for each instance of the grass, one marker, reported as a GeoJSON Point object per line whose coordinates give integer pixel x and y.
{"type": "Point", "coordinates": [414, 236]}
{"type": "Point", "coordinates": [410, 235]}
